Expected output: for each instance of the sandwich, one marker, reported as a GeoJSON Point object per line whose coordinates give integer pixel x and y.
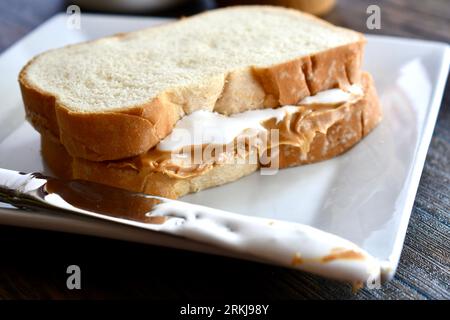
{"type": "Point", "coordinates": [200, 102]}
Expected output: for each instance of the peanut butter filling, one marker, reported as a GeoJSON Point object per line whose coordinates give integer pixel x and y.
{"type": "Point", "coordinates": [296, 129]}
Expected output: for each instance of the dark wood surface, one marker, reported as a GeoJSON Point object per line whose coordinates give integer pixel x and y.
{"type": "Point", "coordinates": [33, 263]}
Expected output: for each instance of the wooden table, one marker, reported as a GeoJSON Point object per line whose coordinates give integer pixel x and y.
{"type": "Point", "coordinates": [33, 263]}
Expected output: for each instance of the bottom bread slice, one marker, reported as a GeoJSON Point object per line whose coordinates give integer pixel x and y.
{"type": "Point", "coordinates": [360, 118]}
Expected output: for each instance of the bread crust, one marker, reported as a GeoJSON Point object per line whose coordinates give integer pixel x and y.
{"type": "Point", "coordinates": [361, 118]}
{"type": "Point", "coordinates": [130, 131]}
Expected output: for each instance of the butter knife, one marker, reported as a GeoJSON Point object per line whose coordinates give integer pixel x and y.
{"type": "Point", "coordinates": [265, 240]}
{"type": "Point", "coordinates": [31, 191]}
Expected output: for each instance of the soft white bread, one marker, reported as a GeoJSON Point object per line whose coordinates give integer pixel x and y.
{"type": "Point", "coordinates": [119, 96]}
{"type": "Point", "coordinates": [352, 121]}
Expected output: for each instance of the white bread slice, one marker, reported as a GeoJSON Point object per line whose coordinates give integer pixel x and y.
{"type": "Point", "coordinates": [355, 120]}
{"type": "Point", "coordinates": [119, 96]}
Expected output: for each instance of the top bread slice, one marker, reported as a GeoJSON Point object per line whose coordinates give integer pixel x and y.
{"type": "Point", "coordinates": [118, 96]}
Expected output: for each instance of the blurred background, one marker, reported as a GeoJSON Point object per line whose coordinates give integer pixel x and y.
{"type": "Point", "coordinates": [427, 19]}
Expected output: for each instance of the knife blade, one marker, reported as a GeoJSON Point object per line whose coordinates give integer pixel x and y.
{"type": "Point", "coordinates": [31, 191]}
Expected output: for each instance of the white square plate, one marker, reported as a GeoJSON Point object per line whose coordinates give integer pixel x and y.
{"type": "Point", "coordinates": [364, 196]}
